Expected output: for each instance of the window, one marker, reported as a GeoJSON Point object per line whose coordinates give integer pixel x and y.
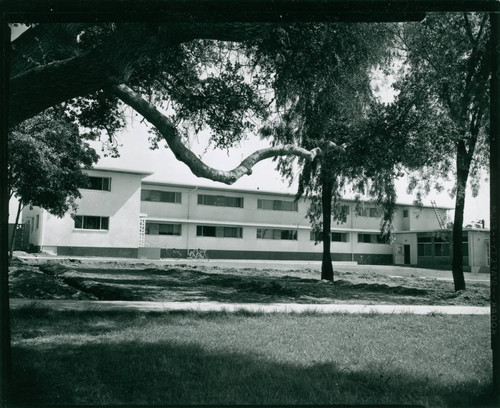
{"type": "Point", "coordinates": [424, 246]}
{"type": "Point", "coordinates": [365, 238]}
{"type": "Point", "coordinates": [340, 237]}
{"type": "Point", "coordinates": [37, 221]}
{"type": "Point", "coordinates": [277, 205]}
{"type": "Point", "coordinates": [371, 212]}
{"type": "Point", "coordinates": [441, 247]}
{"type": "Point", "coordinates": [91, 222]}
{"type": "Point", "coordinates": [99, 183]}
{"type": "Point", "coordinates": [405, 213]}
{"type": "Point", "coordinates": [153, 228]}
{"type": "Point", "coordinates": [219, 232]}
{"type": "Point", "coordinates": [269, 233]}
{"type": "Point", "coordinates": [372, 239]}
{"type": "Point", "coordinates": [335, 236]}
{"type": "Point", "coordinates": [161, 196]}
{"type": "Point", "coordinates": [346, 209]}
{"type": "Point", "coordinates": [220, 201]}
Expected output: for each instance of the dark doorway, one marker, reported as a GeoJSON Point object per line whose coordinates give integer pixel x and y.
{"type": "Point", "coordinates": [407, 255]}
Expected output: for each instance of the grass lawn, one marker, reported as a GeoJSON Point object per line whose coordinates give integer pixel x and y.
{"type": "Point", "coordinates": [94, 358]}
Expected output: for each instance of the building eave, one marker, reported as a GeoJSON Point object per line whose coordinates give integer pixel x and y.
{"type": "Point", "coordinates": [123, 171]}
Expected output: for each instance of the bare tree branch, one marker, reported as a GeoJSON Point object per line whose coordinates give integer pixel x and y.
{"type": "Point", "coordinates": [182, 153]}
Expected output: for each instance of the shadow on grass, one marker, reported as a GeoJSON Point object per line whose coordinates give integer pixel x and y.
{"type": "Point", "coordinates": [134, 372]}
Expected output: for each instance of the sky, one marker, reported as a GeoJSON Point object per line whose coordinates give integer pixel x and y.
{"type": "Point", "coordinates": [135, 154]}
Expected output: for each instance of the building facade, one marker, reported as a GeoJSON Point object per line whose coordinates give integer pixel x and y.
{"type": "Point", "coordinates": [123, 215]}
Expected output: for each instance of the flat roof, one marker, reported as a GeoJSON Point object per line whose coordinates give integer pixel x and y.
{"type": "Point", "coordinates": [263, 192]}
{"type": "Point", "coordinates": [440, 230]}
{"type": "Point", "coordinates": [116, 170]}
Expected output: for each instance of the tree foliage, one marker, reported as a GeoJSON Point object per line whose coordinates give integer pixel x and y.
{"type": "Point", "coordinates": [322, 85]}
{"type": "Point", "coordinates": [196, 83]}
{"type": "Point", "coordinates": [445, 89]}
{"type": "Point", "coordinates": [46, 163]}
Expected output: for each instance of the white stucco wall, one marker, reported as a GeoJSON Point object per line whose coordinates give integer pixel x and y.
{"type": "Point", "coordinates": [425, 219]}
{"type": "Point", "coordinates": [121, 205]}
{"type": "Point", "coordinates": [190, 214]}
{"type": "Point", "coordinates": [478, 248]}
{"type": "Point", "coordinates": [406, 239]}
{"type": "Point", "coordinates": [29, 216]}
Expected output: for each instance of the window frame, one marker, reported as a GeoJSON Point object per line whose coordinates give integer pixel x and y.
{"type": "Point", "coordinates": [86, 218]}
{"type": "Point", "coordinates": [219, 231]}
{"type": "Point", "coordinates": [177, 196]}
{"type": "Point", "coordinates": [218, 200]}
{"type": "Point", "coordinates": [277, 205]}
{"type": "Point", "coordinates": [277, 234]}
{"type": "Point", "coordinates": [175, 226]}
{"type": "Point", "coordinates": [375, 239]}
{"type": "Point", "coordinates": [344, 236]}
{"type": "Point", "coordinates": [102, 183]}
{"type": "Point", "coordinates": [424, 246]}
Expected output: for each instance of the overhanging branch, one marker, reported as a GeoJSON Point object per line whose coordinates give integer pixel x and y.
{"type": "Point", "coordinates": [182, 153]}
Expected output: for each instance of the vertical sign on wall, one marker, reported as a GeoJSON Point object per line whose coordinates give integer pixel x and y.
{"type": "Point", "coordinates": [494, 193]}
{"type": "Point", "coordinates": [142, 231]}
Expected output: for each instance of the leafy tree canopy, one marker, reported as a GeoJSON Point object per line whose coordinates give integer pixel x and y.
{"type": "Point", "coordinates": [46, 162]}
{"type": "Point", "coordinates": [443, 98]}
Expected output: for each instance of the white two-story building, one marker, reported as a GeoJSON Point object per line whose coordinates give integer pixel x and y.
{"type": "Point", "coordinates": [122, 215]}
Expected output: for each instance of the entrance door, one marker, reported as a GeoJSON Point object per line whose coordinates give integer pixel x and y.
{"type": "Point", "coordinates": [407, 255]}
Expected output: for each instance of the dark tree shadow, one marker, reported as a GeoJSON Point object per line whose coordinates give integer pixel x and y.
{"type": "Point", "coordinates": [153, 372]}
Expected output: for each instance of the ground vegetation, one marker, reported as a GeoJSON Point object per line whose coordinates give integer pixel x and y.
{"type": "Point", "coordinates": [184, 358]}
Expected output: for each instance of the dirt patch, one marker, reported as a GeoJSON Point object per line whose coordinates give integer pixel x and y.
{"type": "Point", "coordinates": [114, 280]}
{"type": "Point", "coordinates": [31, 283]}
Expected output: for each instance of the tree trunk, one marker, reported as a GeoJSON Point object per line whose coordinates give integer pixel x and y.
{"type": "Point", "coordinates": [326, 202]}
{"type": "Point", "coordinates": [5, 336]}
{"type": "Point", "coordinates": [457, 261]}
{"type": "Point", "coordinates": [13, 238]}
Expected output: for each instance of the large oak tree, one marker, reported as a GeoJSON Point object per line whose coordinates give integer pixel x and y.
{"type": "Point", "coordinates": [174, 75]}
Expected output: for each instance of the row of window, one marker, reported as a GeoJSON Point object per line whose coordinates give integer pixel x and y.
{"type": "Point", "coordinates": [238, 202]}
{"type": "Point", "coordinates": [425, 246]}
{"type": "Point", "coordinates": [262, 233]}
{"type": "Point", "coordinates": [217, 200]}
{"type": "Point", "coordinates": [102, 223]}
{"type": "Point", "coordinates": [104, 184]}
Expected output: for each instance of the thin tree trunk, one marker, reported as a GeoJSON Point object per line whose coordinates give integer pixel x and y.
{"type": "Point", "coordinates": [457, 261]}
{"type": "Point", "coordinates": [326, 202]}
{"type": "Point", "coordinates": [13, 238]}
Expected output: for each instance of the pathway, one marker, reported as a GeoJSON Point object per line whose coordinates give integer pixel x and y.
{"type": "Point", "coordinates": [101, 305]}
